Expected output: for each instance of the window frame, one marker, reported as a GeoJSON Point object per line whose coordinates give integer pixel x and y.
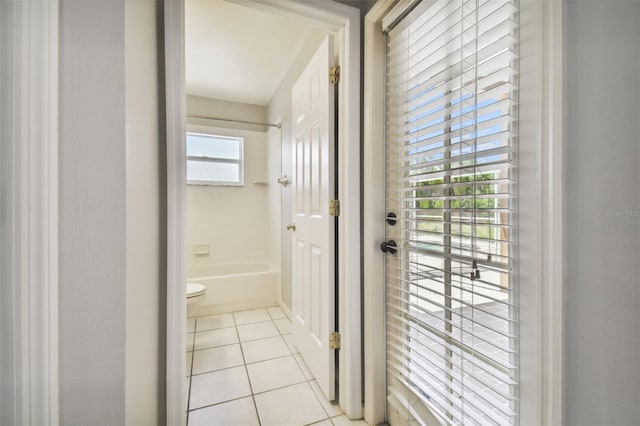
{"type": "Point", "coordinates": [240, 161]}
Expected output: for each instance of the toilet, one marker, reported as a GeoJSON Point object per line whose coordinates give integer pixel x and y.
{"type": "Point", "coordinates": [195, 292]}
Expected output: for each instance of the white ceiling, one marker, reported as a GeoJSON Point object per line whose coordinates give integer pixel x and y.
{"type": "Point", "coordinates": [236, 53]}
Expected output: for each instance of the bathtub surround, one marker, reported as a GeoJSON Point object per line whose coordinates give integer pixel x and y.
{"type": "Point", "coordinates": [234, 287]}
{"type": "Point", "coordinates": [233, 239]}
{"type": "Point", "coordinates": [231, 221]}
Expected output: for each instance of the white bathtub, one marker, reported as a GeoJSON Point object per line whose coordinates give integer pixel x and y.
{"type": "Point", "coordinates": [234, 287]}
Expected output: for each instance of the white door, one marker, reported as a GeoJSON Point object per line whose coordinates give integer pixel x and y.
{"type": "Point", "coordinates": [315, 234]}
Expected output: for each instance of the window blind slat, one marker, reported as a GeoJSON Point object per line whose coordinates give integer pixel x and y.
{"type": "Point", "coordinates": [451, 131]}
{"type": "Point", "coordinates": [484, 402]}
{"type": "Point", "coordinates": [434, 276]}
{"type": "Point", "coordinates": [400, 338]}
{"type": "Point", "coordinates": [431, 357]}
{"type": "Point", "coordinates": [460, 302]}
{"type": "Point", "coordinates": [464, 320]}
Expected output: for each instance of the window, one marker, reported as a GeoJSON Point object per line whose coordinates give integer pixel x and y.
{"type": "Point", "coordinates": [214, 160]}
{"type": "Point", "coordinates": [452, 342]}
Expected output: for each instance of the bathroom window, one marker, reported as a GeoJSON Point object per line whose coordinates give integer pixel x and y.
{"type": "Point", "coordinates": [214, 160]}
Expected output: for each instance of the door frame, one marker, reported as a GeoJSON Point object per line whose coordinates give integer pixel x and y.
{"type": "Point", "coordinates": [540, 272]}
{"type": "Point", "coordinates": [29, 188]}
{"type": "Point", "coordinates": [344, 21]}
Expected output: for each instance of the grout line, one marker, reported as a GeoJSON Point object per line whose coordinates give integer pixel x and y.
{"type": "Point", "coordinates": [313, 391]}
{"type": "Point", "coordinates": [270, 359]}
{"type": "Point", "coordinates": [246, 370]}
{"type": "Point", "coordinates": [254, 322]}
{"type": "Point", "coordinates": [193, 343]}
{"type": "Point", "coordinates": [217, 369]}
{"type": "Point", "coordinates": [213, 347]}
{"type": "Point", "coordinates": [221, 402]}
{"type": "Point", "coordinates": [239, 343]}
{"type": "Point", "coordinates": [323, 399]}
{"type": "Point", "coordinates": [288, 386]}
{"type": "Point", "coordinates": [212, 329]}
{"type": "Point", "coordinates": [320, 421]}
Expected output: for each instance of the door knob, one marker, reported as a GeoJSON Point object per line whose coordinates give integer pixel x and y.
{"type": "Point", "coordinates": [291, 227]}
{"type": "Point", "coordinates": [389, 246]}
{"type": "Point", "coordinates": [284, 181]}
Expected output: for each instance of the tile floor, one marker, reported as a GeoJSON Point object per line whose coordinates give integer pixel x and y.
{"type": "Point", "coordinates": [243, 369]}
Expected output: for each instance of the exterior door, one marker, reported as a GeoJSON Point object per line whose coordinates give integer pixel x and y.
{"type": "Point", "coordinates": [315, 233]}
{"type": "Point", "coordinates": [451, 300]}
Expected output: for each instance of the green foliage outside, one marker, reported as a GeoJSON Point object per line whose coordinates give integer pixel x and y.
{"type": "Point", "coordinates": [465, 202]}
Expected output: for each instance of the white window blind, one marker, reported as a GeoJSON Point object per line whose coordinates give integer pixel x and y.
{"type": "Point", "coordinates": [452, 341]}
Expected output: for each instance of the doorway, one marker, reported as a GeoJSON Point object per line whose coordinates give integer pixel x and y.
{"type": "Point", "coordinates": [342, 21]}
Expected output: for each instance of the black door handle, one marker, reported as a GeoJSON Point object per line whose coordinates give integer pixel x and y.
{"type": "Point", "coordinates": [389, 246]}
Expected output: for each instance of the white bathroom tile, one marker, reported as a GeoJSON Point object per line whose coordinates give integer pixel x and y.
{"type": "Point", "coordinates": [189, 359]}
{"type": "Point", "coordinates": [214, 322]}
{"type": "Point", "coordinates": [248, 317]}
{"type": "Point", "coordinates": [218, 386]}
{"type": "Point", "coordinates": [326, 422]}
{"type": "Point", "coordinates": [263, 349]}
{"type": "Point", "coordinates": [276, 312]}
{"type": "Point", "coordinates": [213, 338]}
{"type": "Point", "coordinates": [218, 358]}
{"type": "Point", "coordinates": [284, 325]}
{"type": "Point", "coordinates": [240, 412]}
{"type": "Point", "coordinates": [189, 341]}
{"type": "Point", "coordinates": [274, 373]}
{"type": "Point", "coordinates": [344, 421]}
{"type": "Point", "coordinates": [288, 338]}
{"type": "Point", "coordinates": [293, 405]}
{"type": "Point", "coordinates": [332, 408]}
{"type": "Point", "coordinates": [191, 325]}
{"type": "Point", "coordinates": [303, 367]}
{"type": "Point", "coordinates": [258, 330]}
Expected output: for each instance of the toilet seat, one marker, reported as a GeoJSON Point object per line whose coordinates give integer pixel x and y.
{"type": "Point", "coordinates": [195, 290]}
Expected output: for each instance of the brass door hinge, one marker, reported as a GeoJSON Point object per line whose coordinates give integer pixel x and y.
{"type": "Point", "coordinates": [334, 207]}
{"type": "Point", "coordinates": [334, 75]}
{"type": "Point", "coordinates": [334, 340]}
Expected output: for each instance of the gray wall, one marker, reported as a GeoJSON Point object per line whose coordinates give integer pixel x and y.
{"type": "Point", "coordinates": [602, 44]}
{"type": "Point", "coordinates": [92, 212]}
{"type": "Point", "coordinates": [8, 220]}
{"type": "Point", "coordinates": [111, 241]}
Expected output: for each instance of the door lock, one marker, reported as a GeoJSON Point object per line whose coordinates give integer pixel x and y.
{"type": "Point", "coordinates": [392, 218]}
{"type": "Point", "coordinates": [389, 246]}
{"type": "Point", "coordinates": [291, 227]}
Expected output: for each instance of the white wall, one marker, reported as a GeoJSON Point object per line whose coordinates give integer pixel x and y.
{"type": "Point", "coordinates": [111, 221]}
{"type": "Point", "coordinates": [146, 275]}
{"type": "Point", "coordinates": [279, 110]}
{"type": "Point", "coordinates": [93, 243]}
{"type": "Point", "coordinates": [198, 105]}
{"type": "Point", "coordinates": [274, 198]}
{"type": "Point", "coordinates": [232, 220]}
{"type": "Point", "coordinates": [602, 181]}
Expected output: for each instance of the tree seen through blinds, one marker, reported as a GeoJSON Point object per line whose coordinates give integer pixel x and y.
{"type": "Point", "coordinates": [451, 145]}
